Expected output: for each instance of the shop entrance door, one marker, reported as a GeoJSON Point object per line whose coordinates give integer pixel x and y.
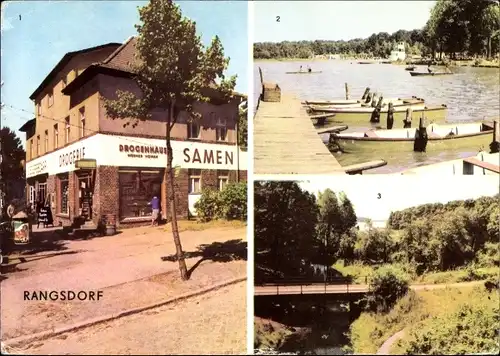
{"type": "Point", "coordinates": [85, 196]}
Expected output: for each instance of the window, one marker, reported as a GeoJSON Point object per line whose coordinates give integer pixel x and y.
{"type": "Point", "coordinates": [194, 181]}
{"type": "Point", "coordinates": [137, 188]}
{"type": "Point", "coordinates": [221, 129]}
{"type": "Point", "coordinates": [31, 149]}
{"type": "Point", "coordinates": [56, 136]}
{"type": "Point", "coordinates": [32, 195]}
{"type": "Point", "coordinates": [51, 98]}
{"type": "Point", "coordinates": [193, 130]}
{"type": "Point", "coordinates": [41, 194]}
{"type": "Point", "coordinates": [222, 179]}
{"type": "Point", "coordinates": [38, 145]}
{"type": "Point", "coordinates": [64, 194]}
{"type": "Point", "coordinates": [82, 122]}
{"type": "Point", "coordinates": [46, 142]}
{"type": "Point", "coordinates": [67, 130]}
{"type": "Point", "coordinates": [39, 108]}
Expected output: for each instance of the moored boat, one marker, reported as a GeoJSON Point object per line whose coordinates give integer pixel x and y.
{"type": "Point", "coordinates": [362, 116]}
{"type": "Point", "coordinates": [338, 102]}
{"type": "Point", "coordinates": [439, 138]}
{"type": "Point", "coordinates": [422, 74]}
{"type": "Point", "coordinates": [411, 68]}
{"type": "Point", "coordinates": [385, 102]}
{"type": "Point", "coordinates": [305, 72]}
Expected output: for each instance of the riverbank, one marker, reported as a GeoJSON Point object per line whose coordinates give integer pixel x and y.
{"type": "Point", "coordinates": [435, 322]}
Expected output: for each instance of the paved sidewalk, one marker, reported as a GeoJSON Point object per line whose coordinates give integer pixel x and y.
{"type": "Point", "coordinates": [122, 266]}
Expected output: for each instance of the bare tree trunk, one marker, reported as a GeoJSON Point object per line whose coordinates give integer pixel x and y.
{"type": "Point", "coordinates": [489, 47]}
{"type": "Point", "coordinates": [171, 197]}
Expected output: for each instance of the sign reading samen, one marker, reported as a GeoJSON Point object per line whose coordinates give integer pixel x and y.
{"type": "Point", "coordinates": [86, 164]}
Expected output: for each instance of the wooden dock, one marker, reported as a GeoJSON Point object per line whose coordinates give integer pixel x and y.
{"type": "Point", "coordinates": [286, 142]}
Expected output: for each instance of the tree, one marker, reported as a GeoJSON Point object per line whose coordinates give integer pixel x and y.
{"type": "Point", "coordinates": [11, 168]}
{"type": "Point", "coordinates": [387, 285]}
{"type": "Point", "coordinates": [285, 220]}
{"type": "Point", "coordinates": [174, 71]}
{"type": "Point", "coordinates": [243, 126]}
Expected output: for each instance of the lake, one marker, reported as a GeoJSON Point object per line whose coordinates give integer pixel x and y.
{"type": "Point", "coordinates": [471, 94]}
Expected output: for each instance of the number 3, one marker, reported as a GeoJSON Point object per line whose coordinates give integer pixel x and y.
{"type": "Point", "coordinates": [277, 19]}
{"type": "Point", "coordinates": [379, 196]}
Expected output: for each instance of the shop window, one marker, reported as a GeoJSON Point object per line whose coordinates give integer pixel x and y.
{"type": "Point", "coordinates": [137, 188]}
{"type": "Point", "coordinates": [42, 192]}
{"type": "Point", "coordinates": [194, 181]}
{"type": "Point", "coordinates": [222, 179]}
{"type": "Point", "coordinates": [193, 130]}
{"type": "Point", "coordinates": [221, 129]}
{"type": "Point", "coordinates": [64, 194]}
{"type": "Point", "coordinates": [56, 136]}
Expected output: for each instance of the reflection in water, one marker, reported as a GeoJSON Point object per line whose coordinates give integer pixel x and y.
{"type": "Point", "coordinates": [470, 94]}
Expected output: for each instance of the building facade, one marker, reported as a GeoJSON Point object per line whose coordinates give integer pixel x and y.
{"type": "Point", "coordinates": [127, 163]}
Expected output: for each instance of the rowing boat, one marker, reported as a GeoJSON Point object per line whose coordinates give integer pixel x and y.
{"type": "Point", "coordinates": [367, 62]}
{"type": "Point", "coordinates": [362, 116]}
{"type": "Point", "coordinates": [422, 74]}
{"type": "Point", "coordinates": [351, 101]}
{"type": "Point", "coordinates": [392, 142]}
{"type": "Point", "coordinates": [304, 72]}
{"type": "Point", "coordinates": [396, 102]}
{"type": "Point", "coordinates": [411, 68]}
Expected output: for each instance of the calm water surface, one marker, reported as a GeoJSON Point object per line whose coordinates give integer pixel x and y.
{"type": "Point", "coordinates": [470, 94]}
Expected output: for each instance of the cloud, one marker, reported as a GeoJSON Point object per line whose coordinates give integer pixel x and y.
{"type": "Point", "coordinates": [5, 23]}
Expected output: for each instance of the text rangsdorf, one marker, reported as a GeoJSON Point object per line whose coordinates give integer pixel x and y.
{"type": "Point", "coordinates": [208, 156]}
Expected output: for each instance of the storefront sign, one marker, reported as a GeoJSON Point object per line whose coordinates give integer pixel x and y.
{"type": "Point", "coordinates": [86, 164]}
{"type": "Point", "coordinates": [123, 151]}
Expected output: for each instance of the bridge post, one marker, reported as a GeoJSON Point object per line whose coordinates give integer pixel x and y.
{"type": "Point", "coordinates": [277, 289]}
{"type": "Point", "coordinates": [301, 289]}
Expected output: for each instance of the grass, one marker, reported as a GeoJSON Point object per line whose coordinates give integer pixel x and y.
{"type": "Point", "coordinates": [194, 225]}
{"type": "Point", "coordinates": [370, 330]}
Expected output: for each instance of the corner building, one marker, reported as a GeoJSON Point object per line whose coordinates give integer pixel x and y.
{"type": "Point", "coordinates": [71, 125]}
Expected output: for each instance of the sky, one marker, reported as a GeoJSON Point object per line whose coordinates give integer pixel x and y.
{"type": "Point", "coordinates": [32, 45]}
{"type": "Point", "coordinates": [335, 20]}
{"type": "Point", "coordinates": [400, 192]}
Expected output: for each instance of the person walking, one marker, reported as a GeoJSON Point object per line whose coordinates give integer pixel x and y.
{"type": "Point", "coordinates": [155, 206]}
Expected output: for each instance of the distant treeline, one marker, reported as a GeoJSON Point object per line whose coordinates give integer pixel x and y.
{"type": "Point", "coordinates": [455, 27]}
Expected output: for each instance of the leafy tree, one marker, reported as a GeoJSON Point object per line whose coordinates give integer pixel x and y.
{"type": "Point", "coordinates": [173, 71]}
{"type": "Point", "coordinates": [11, 168]}
{"type": "Point", "coordinates": [284, 223]}
{"type": "Point", "coordinates": [375, 246]}
{"type": "Point", "coordinates": [243, 126]}
{"type": "Point", "coordinates": [387, 286]}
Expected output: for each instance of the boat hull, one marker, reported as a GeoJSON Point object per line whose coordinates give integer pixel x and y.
{"type": "Point", "coordinates": [396, 102]}
{"type": "Point", "coordinates": [355, 150]}
{"type": "Point", "coordinates": [305, 72]}
{"type": "Point", "coordinates": [423, 74]}
{"type": "Point", "coordinates": [437, 115]}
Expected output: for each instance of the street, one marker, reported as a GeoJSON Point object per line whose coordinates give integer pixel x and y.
{"type": "Point", "coordinates": [214, 323]}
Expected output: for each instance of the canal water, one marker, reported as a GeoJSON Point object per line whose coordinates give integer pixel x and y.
{"type": "Point", "coordinates": [471, 94]}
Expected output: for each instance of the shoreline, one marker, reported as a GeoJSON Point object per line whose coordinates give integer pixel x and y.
{"type": "Point", "coordinates": [464, 63]}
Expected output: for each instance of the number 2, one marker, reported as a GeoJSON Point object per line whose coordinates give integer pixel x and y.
{"type": "Point", "coordinates": [277, 19]}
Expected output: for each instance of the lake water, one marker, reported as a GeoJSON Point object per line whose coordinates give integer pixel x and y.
{"type": "Point", "coordinates": [470, 94]}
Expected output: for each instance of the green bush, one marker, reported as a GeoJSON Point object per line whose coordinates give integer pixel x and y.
{"type": "Point", "coordinates": [228, 204]}
{"type": "Point", "coordinates": [233, 200]}
{"type": "Point", "coordinates": [387, 285]}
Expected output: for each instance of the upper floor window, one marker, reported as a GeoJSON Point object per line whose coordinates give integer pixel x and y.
{"type": "Point", "coordinates": [82, 122]}
{"type": "Point", "coordinates": [51, 98]}
{"type": "Point", "coordinates": [39, 108]}
{"type": "Point", "coordinates": [31, 149]}
{"type": "Point", "coordinates": [38, 145]}
{"type": "Point", "coordinates": [56, 136]}
{"type": "Point", "coordinates": [46, 142]}
{"type": "Point", "coordinates": [67, 129]}
{"type": "Point", "coordinates": [221, 129]}
{"type": "Point", "coordinates": [193, 130]}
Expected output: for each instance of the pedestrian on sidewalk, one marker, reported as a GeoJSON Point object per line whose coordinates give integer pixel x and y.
{"type": "Point", "coordinates": [155, 206]}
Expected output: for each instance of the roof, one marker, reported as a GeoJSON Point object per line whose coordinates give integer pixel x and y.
{"type": "Point", "coordinates": [65, 60]}
{"type": "Point", "coordinates": [120, 62]}
{"type": "Point", "coordinates": [27, 125]}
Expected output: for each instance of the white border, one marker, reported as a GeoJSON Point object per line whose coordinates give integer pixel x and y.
{"type": "Point", "coordinates": [250, 216]}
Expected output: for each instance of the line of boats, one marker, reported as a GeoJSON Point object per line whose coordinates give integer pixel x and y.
{"type": "Point", "coordinates": [392, 127]}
